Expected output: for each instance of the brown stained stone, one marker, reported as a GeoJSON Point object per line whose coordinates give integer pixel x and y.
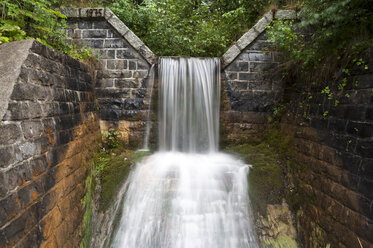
{"type": "Point", "coordinates": [49, 243]}
{"type": "Point", "coordinates": [50, 222]}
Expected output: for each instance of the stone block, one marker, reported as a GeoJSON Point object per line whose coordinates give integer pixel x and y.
{"type": "Point", "coordinates": [148, 55]}
{"type": "Point", "coordinates": [240, 66]}
{"type": "Point", "coordinates": [70, 12]}
{"type": "Point", "coordinates": [32, 129]}
{"type": "Point", "coordinates": [114, 74]}
{"type": "Point", "coordinates": [132, 65]}
{"type": "Point", "coordinates": [126, 83]}
{"type": "Point", "coordinates": [261, 25]}
{"type": "Point", "coordinates": [231, 75]}
{"type": "Point", "coordinates": [29, 149]}
{"type": "Point", "coordinates": [31, 92]}
{"type": "Point", "coordinates": [92, 12]}
{"type": "Point", "coordinates": [94, 43]}
{"type": "Point", "coordinates": [23, 110]}
{"type": "Point", "coordinates": [261, 67]}
{"type": "Point", "coordinates": [115, 43]}
{"type": "Point", "coordinates": [259, 85]}
{"type": "Point", "coordinates": [9, 134]}
{"type": "Point", "coordinates": [237, 85]}
{"type": "Point", "coordinates": [338, 125]}
{"type": "Point", "coordinates": [133, 40]}
{"type": "Point", "coordinates": [255, 56]}
{"type": "Point", "coordinates": [365, 148]}
{"type": "Point", "coordinates": [354, 112]}
{"type": "Point", "coordinates": [126, 54]}
{"type": "Point", "coordinates": [85, 24]}
{"type": "Point", "coordinates": [113, 93]}
{"type": "Point", "coordinates": [50, 109]}
{"type": "Point", "coordinates": [37, 166]}
{"type": "Point", "coordinates": [286, 14]}
{"type": "Point", "coordinates": [105, 83]}
{"type": "Point", "coordinates": [118, 25]}
{"type": "Point", "coordinates": [247, 38]}
{"type": "Point", "coordinates": [106, 54]}
{"type": "Point", "coordinates": [116, 64]}
{"type": "Point", "coordinates": [139, 93]}
{"type": "Point", "coordinates": [94, 33]}
{"type": "Point", "coordinates": [230, 55]}
{"type": "Point", "coordinates": [101, 25]}
{"type": "Point", "coordinates": [140, 74]}
{"type": "Point", "coordinates": [369, 114]}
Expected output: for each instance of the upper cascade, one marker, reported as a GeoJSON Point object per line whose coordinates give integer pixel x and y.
{"type": "Point", "coordinates": [189, 99]}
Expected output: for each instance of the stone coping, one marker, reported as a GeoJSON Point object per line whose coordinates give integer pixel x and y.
{"type": "Point", "coordinates": [246, 39]}
{"type": "Point", "coordinates": [228, 57]}
{"type": "Point", "coordinates": [10, 68]}
{"type": "Point", "coordinates": [117, 24]}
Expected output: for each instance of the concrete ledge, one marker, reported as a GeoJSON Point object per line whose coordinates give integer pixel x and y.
{"type": "Point", "coordinates": [117, 24]}
{"type": "Point", "coordinates": [246, 39]}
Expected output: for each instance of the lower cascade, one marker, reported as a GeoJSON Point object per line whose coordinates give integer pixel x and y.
{"type": "Point", "coordinates": [187, 194]}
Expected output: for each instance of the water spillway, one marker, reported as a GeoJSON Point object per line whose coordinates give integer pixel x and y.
{"type": "Point", "coordinates": [187, 195]}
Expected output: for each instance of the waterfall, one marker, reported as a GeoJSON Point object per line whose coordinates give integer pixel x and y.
{"type": "Point", "coordinates": [190, 104]}
{"type": "Point", "coordinates": [187, 195]}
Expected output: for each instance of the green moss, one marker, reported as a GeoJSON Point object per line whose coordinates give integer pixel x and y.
{"type": "Point", "coordinates": [266, 177]}
{"type": "Point", "coordinates": [282, 241]}
{"type": "Point", "coordinates": [112, 170]}
{"type": "Point", "coordinates": [87, 204]}
{"type": "Point", "coordinates": [274, 173]}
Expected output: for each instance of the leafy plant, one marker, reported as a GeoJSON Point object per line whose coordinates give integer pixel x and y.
{"type": "Point", "coordinates": [111, 139]}
{"type": "Point", "coordinates": [27, 19]}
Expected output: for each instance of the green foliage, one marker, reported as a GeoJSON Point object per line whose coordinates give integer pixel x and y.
{"type": "Point", "coordinates": [189, 28]}
{"type": "Point", "coordinates": [27, 19]}
{"type": "Point", "coordinates": [111, 139]}
{"type": "Point", "coordinates": [329, 30]}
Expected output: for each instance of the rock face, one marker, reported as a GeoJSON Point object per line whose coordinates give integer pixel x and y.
{"type": "Point", "coordinates": [122, 74]}
{"type": "Point", "coordinates": [46, 135]}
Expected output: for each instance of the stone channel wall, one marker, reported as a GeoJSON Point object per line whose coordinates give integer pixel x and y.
{"type": "Point", "coordinates": [336, 146]}
{"type": "Point", "coordinates": [47, 130]}
{"type": "Point", "coordinates": [252, 83]}
{"type": "Point", "coordinates": [122, 73]}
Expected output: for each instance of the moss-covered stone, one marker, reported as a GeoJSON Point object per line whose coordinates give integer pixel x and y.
{"type": "Point", "coordinates": [266, 176]}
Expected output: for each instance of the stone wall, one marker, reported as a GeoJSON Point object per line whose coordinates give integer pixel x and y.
{"type": "Point", "coordinates": [252, 83]}
{"type": "Point", "coordinates": [122, 74]}
{"type": "Point", "coordinates": [335, 143]}
{"type": "Point", "coordinates": [47, 130]}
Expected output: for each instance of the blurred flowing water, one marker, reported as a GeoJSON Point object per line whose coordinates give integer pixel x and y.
{"type": "Point", "coordinates": [187, 195]}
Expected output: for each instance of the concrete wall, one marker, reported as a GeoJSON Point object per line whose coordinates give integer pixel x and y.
{"type": "Point", "coordinates": [47, 132]}
{"type": "Point", "coordinates": [122, 73]}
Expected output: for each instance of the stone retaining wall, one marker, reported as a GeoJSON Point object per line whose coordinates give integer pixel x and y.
{"type": "Point", "coordinates": [47, 130]}
{"type": "Point", "coordinates": [335, 143]}
{"type": "Point", "coordinates": [122, 74]}
{"type": "Point", "coordinates": [252, 82]}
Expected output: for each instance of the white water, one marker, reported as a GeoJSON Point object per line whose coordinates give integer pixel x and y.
{"type": "Point", "coordinates": [187, 195]}
{"type": "Point", "coordinates": [148, 121]}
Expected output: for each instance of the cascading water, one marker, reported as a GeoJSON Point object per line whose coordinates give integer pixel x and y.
{"type": "Point", "coordinates": [187, 195]}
